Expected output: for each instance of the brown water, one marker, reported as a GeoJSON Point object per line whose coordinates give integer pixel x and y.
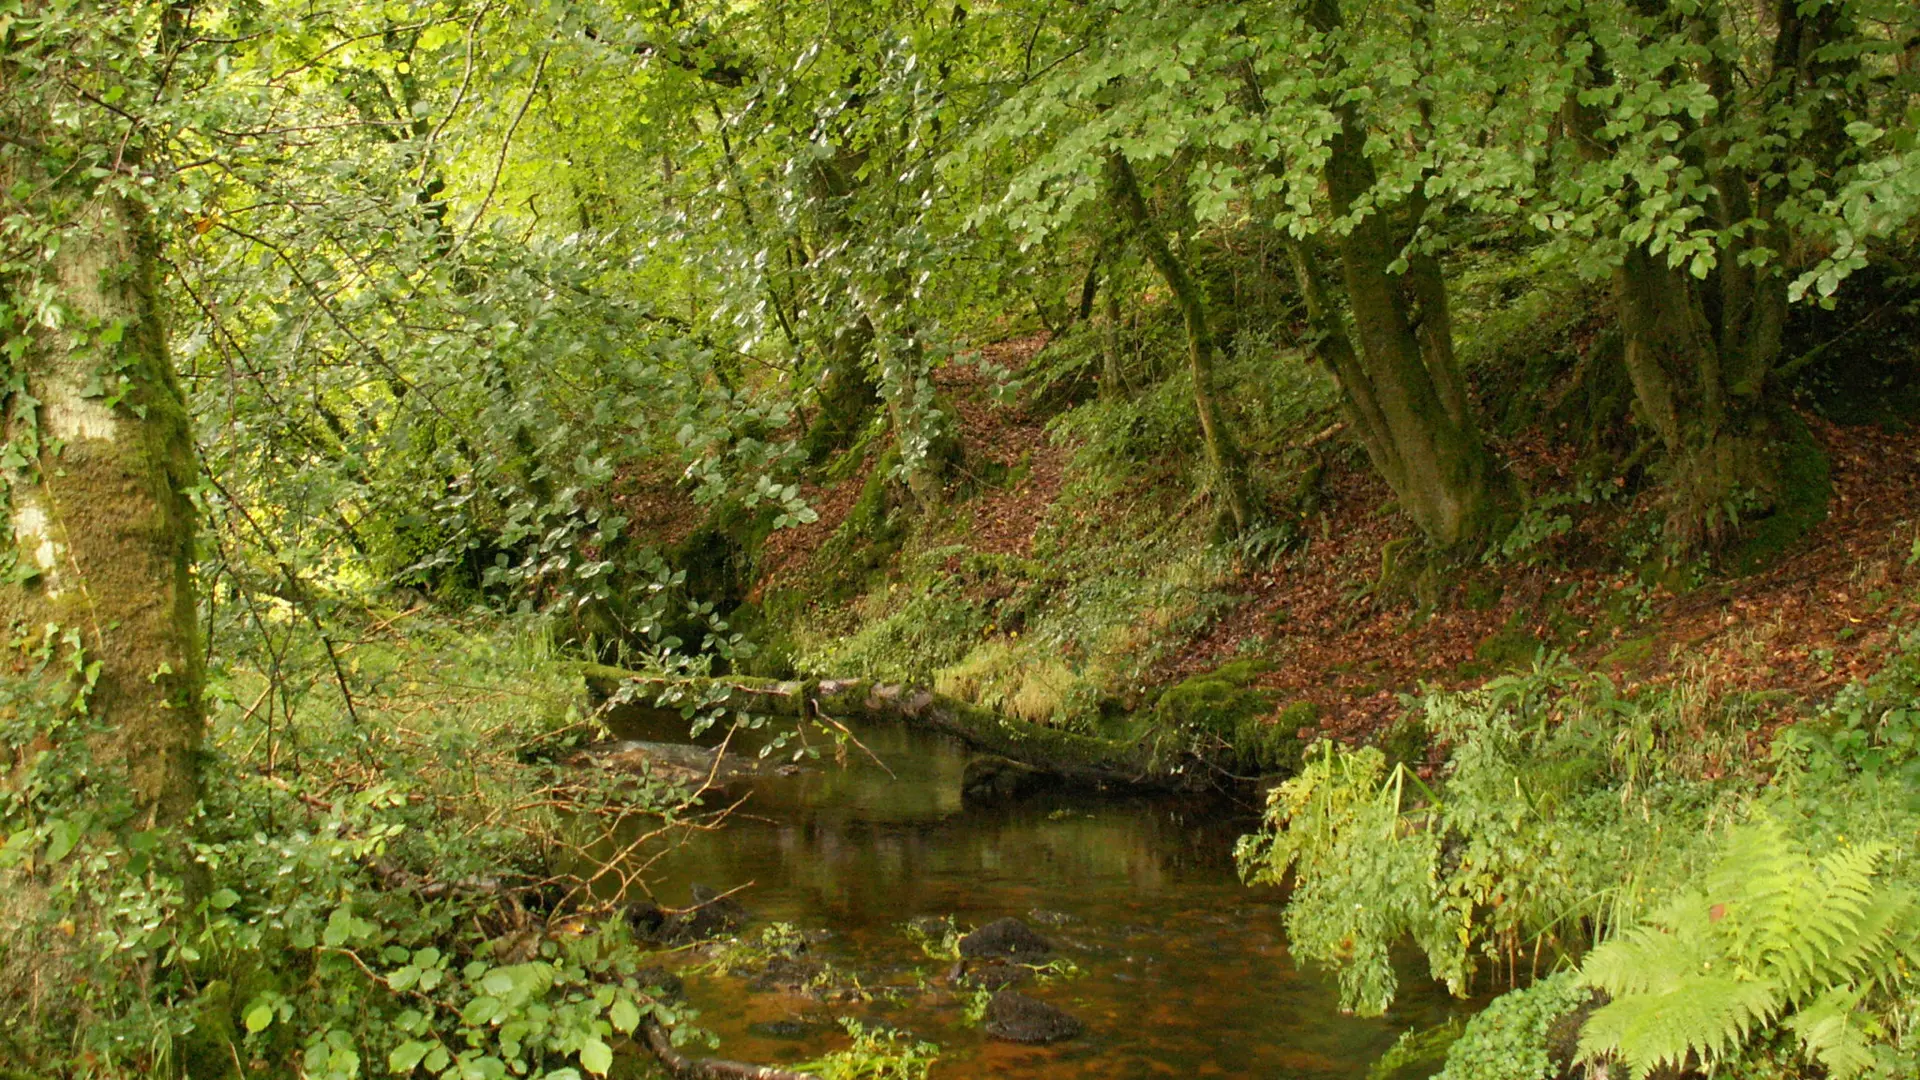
{"type": "Point", "coordinates": [1183, 971]}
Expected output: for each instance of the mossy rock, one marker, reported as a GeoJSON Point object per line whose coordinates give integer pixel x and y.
{"type": "Point", "coordinates": [1275, 747]}
{"type": "Point", "coordinates": [1216, 701]}
{"type": "Point", "coordinates": [1224, 703]}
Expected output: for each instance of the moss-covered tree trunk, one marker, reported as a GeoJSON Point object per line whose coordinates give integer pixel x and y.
{"type": "Point", "coordinates": [1701, 351]}
{"type": "Point", "coordinates": [1403, 389]}
{"type": "Point", "coordinates": [922, 431]}
{"type": "Point", "coordinates": [100, 527]}
{"type": "Point", "coordinates": [1228, 464]}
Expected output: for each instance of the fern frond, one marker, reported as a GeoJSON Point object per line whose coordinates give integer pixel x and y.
{"type": "Point", "coordinates": [1672, 945]}
{"type": "Point", "coordinates": [1776, 931]}
{"type": "Point", "coordinates": [1708, 1015]}
{"type": "Point", "coordinates": [1827, 1033]}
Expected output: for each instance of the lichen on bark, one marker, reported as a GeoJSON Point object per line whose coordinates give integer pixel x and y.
{"type": "Point", "coordinates": [97, 502]}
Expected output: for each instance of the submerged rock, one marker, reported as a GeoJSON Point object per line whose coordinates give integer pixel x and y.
{"type": "Point", "coordinates": [783, 1029]}
{"type": "Point", "coordinates": [1005, 939]}
{"type": "Point", "coordinates": [931, 926]}
{"type": "Point", "coordinates": [789, 973]}
{"type": "Point", "coordinates": [661, 983]}
{"type": "Point", "coordinates": [1015, 1017]}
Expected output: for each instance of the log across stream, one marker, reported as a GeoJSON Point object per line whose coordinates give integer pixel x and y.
{"type": "Point", "coordinates": [1082, 760]}
{"type": "Point", "coordinates": [1176, 968]}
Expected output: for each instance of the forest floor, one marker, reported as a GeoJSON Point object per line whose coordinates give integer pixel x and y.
{"type": "Point", "coordinates": [1339, 636]}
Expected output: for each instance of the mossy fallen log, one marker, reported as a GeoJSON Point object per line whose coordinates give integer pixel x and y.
{"type": "Point", "coordinates": [1076, 758]}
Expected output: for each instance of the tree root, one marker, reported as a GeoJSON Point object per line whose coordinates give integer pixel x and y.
{"type": "Point", "coordinates": [689, 1068]}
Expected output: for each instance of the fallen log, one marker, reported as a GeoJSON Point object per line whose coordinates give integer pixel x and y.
{"type": "Point", "coordinates": [1073, 757]}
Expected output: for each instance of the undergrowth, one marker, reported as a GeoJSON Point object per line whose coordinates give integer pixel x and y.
{"type": "Point", "coordinates": [1760, 919]}
{"type": "Point", "coordinates": [397, 882]}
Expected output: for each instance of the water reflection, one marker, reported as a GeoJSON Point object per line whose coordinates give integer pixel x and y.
{"type": "Point", "coordinates": [1185, 971]}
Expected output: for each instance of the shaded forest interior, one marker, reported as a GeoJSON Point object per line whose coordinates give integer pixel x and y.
{"type": "Point", "coordinates": [1479, 440]}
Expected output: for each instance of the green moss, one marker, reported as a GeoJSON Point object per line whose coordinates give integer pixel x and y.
{"type": "Point", "coordinates": [1482, 595]}
{"type": "Point", "coordinates": [1802, 490]}
{"type": "Point", "coordinates": [1630, 653]}
{"type": "Point", "coordinates": [773, 648]}
{"type": "Point", "coordinates": [208, 1050]}
{"type": "Point", "coordinates": [1241, 672]}
{"type": "Point", "coordinates": [1298, 715]}
{"type": "Point", "coordinates": [1418, 1054]}
{"type": "Point", "coordinates": [1275, 747]}
{"type": "Point", "coordinates": [1215, 702]}
{"type": "Point", "coordinates": [1512, 646]}
{"type": "Point", "coordinates": [1224, 704]}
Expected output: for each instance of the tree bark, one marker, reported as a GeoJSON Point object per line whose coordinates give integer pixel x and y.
{"type": "Point", "coordinates": [846, 390]}
{"type": "Point", "coordinates": [1701, 351]}
{"type": "Point", "coordinates": [1229, 466]}
{"type": "Point", "coordinates": [99, 521]}
{"type": "Point", "coordinates": [1400, 383]}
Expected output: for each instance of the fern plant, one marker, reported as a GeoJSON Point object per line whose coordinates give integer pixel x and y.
{"type": "Point", "coordinates": [1774, 936]}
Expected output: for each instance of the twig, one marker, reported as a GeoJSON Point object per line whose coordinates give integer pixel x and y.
{"type": "Point", "coordinates": [500, 163]}
{"type": "Point", "coordinates": [1329, 432]}
{"type": "Point", "coordinates": [851, 737]}
{"type": "Point", "coordinates": [688, 1068]}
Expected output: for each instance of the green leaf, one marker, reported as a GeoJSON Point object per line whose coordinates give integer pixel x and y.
{"type": "Point", "coordinates": [480, 1010]}
{"type": "Point", "coordinates": [63, 835]}
{"type": "Point", "coordinates": [407, 1055]}
{"type": "Point", "coordinates": [624, 1015]}
{"type": "Point", "coordinates": [339, 928]}
{"type": "Point", "coordinates": [596, 1057]}
{"type": "Point", "coordinates": [259, 1017]}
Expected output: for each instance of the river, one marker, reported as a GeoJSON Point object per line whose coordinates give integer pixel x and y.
{"type": "Point", "coordinates": [1182, 970]}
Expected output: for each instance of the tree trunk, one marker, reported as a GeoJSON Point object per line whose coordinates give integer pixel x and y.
{"type": "Point", "coordinates": [98, 515]}
{"type": "Point", "coordinates": [921, 430]}
{"type": "Point", "coordinates": [846, 390]}
{"type": "Point", "coordinates": [1700, 351]}
{"type": "Point", "coordinates": [1223, 452]}
{"type": "Point", "coordinates": [1402, 387]}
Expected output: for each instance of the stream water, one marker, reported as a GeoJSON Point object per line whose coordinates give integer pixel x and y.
{"type": "Point", "coordinates": [1182, 971]}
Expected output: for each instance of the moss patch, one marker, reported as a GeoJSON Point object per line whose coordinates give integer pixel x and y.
{"type": "Point", "coordinates": [1799, 502]}
{"type": "Point", "coordinates": [1630, 653]}
{"type": "Point", "coordinates": [1511, 646]}
{"type": "Point", "coordinates": [1225, 704]}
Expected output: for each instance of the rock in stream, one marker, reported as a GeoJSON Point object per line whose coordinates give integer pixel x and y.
{"type": "Point", "coordinates": [1015, 1017]}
